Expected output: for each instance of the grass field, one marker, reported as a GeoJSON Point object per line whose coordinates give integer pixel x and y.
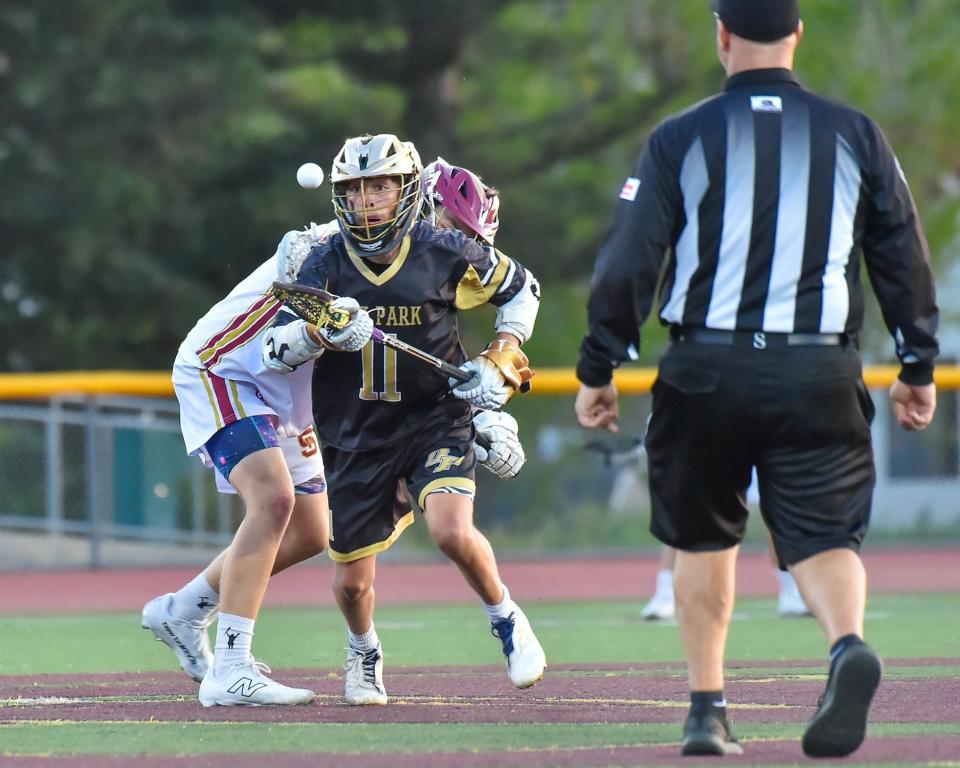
{"type": "Point", "coordinates": [90, 690]}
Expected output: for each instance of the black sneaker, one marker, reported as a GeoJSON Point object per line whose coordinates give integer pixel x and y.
{"type": "Point", "coordinates": [707, 733]}
{"type": "Point", "coordinates": [839, 725]}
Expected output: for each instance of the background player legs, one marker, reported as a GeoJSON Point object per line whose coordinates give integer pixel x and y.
{"type": "Point", "coordinates": [789, 600]}
{"type": "Point", "coordinates": [834, 585]}
{"type": "Point", "coordinates": [661, 605]}
{"type": "Point", "coordinates": [704, 585]}
{"type": "Point", "coordinates": [449, 518]}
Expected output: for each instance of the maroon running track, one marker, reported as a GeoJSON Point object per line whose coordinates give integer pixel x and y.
{"type": "Point", "coordinates": [37, 592]}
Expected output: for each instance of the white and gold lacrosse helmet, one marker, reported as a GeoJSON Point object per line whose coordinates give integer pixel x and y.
{"type": "Point", "coordinates": [367, 157]}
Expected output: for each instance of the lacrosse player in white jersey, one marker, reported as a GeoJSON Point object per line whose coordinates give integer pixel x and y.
{"type": "Point", "coordinates": [245, 409]}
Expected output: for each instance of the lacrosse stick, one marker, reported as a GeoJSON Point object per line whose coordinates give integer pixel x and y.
{"type": "Point", "coordinates": [618, 453]}
{"type": "Point", "coordinates": [309, 307]}
{"type": "Point", "coordinates": [313, 305]}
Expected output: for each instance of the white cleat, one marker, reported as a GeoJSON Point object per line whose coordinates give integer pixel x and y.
{"type": "Point", "coordinates": [364, 677]}
{"type": "Point", "coordinates": [187, 639]}
{"type": "Point", "coordinates": [525, 658]}
{"type": "Point", "coordinates": [244, 684]}
{"type": "Point", "coordinates": [660, 608]}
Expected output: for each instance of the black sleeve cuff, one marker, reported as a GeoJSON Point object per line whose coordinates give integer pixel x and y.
{"type": "Point", "coordinates": [916, 374]}
{"type": "Point", "coordinates": [594, 368]}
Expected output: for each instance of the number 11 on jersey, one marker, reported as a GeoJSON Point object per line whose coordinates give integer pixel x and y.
{"type": "Point", "coordinates": [390, 393]}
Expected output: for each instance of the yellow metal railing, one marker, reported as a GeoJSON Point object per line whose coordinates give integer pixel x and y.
{"type": "Point", "coordinates": [548, 381]}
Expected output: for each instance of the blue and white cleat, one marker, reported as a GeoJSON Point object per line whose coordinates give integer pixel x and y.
{"type": "Point", "coordinates": [525, 658]}
{"type": "Point", "coordinates": [363, 684]}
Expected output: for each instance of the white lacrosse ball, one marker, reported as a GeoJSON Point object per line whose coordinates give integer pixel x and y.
{"type": "Point", "coordinates": [310, 175]}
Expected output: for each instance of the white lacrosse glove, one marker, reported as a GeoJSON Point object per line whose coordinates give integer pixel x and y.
{"type": "Point", "coordinates": [499, 431]}
{"type": "Point", "coordinates": [357, 332]}
{"type": "Point", "coordinates": [287, 346]}
{"type": "Point", "coordinates": [498, 372]}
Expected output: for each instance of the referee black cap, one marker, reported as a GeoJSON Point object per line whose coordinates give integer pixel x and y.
{"type": "Point", "coordinates": [762, 21]}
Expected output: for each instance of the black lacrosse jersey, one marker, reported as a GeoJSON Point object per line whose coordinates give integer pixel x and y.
{"type": "Point", "coordinates": [379, 396]}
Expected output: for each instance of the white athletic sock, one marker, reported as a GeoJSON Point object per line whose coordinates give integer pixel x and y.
{"type": "Point", "coordinates": [234, 638]}
{"type": "Point", "coordinates": [365, 642]}
{"type": "Point", "coordinates": [503, 609]}
{"type": "Point", "coordinates": [664, 583]}
{"type": "Point", "coordinates": [196, 600]}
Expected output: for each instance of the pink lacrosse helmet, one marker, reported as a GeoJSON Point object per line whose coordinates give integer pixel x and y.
{"type": "Point", "coordinates": [465, 198]}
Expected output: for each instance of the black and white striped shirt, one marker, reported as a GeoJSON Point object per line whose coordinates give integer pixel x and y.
{"type": "Point", "coordinates": [766, 196]}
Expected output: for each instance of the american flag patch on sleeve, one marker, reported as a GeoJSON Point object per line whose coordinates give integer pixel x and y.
{"type": "Point", "coordinates": [630, 188]}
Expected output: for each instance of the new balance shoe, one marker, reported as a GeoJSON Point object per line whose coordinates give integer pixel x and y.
{"type": "Point", "coordinates": [840, 723]}
{"type": "Point", "coordinates": [660, 607]}
{"type": "Point", "coordinates": [187, 639]}
{"type": "Point", "coordinates": [245, 684]}
{"type": "Point", "coordinates": [707, 733]}
{"type": "Point", "coordinates": [524, 654]}
{"type": "Point", "coordinates": [364, 677]}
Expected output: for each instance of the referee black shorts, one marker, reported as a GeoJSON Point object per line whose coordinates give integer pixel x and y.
{"type": "Point", "coordinates": [800, 414]}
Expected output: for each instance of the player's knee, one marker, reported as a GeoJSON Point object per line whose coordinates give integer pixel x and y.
{"type": "Point", "coordinates": [702, 597]}
{"type": "Point", "coordinates": [353, 590]}
{"type": "Point", "coordinates": [451, 537]}
{"type": "Point", "coordinates": [276, 506]}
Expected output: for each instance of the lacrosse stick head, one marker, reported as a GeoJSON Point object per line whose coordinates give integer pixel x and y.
{"type": "Point", "coordinates": [295, 247]}
{"type": "Point", "coordinates": [311, 305]}
{"type": "Point", "coordinates": [457, 197]}
{"type": "Point", "coordinates": [375, 231]}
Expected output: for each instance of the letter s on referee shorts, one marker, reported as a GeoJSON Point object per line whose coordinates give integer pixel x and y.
{"type": "Point", "coordinates": [800, 414]}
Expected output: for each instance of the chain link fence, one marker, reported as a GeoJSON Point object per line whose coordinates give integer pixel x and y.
{"type": "Point", "coordinates": [107, 468]}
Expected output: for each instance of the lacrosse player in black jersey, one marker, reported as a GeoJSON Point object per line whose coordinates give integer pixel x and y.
{"type": "Point", "coordinates": [391, 428]}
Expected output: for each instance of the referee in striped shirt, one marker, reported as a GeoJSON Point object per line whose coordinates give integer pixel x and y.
{"type": "Point", "coordinates": [751, 212]}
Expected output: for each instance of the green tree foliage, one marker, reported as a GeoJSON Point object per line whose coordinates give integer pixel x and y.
{"type": "Point", "coordinates": [147, 150]}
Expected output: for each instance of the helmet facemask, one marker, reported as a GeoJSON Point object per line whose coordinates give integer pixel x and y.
{"type": "Point", "coordinates": [358, 175]}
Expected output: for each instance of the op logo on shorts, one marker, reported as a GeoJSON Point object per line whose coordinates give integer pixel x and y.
{"type": "Point", "coordinates": [442, 460]}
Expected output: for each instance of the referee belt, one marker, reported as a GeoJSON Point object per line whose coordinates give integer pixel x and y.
{"type": "Point", "coordinates": [756, 339]}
